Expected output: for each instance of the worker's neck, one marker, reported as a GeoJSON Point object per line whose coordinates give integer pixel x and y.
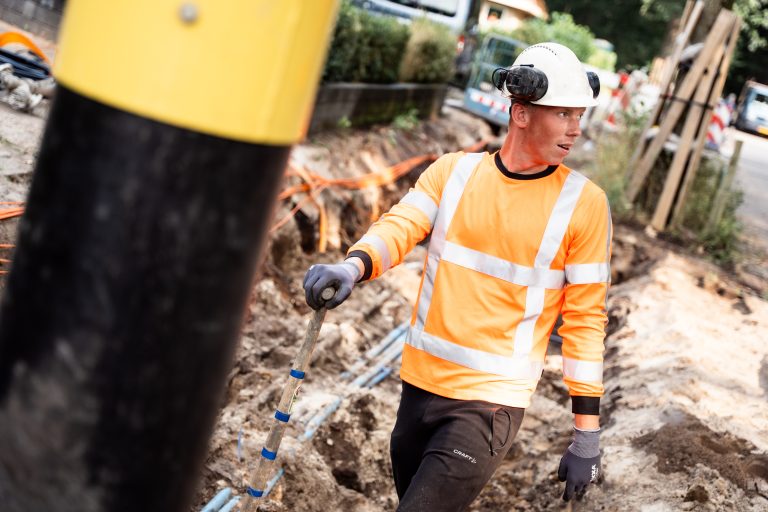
{"type": "Point", "coordinates": [517, 156]}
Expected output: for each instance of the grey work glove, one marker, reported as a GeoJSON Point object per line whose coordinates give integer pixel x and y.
{"type": "Point", "coordinates": [341, 277]}
{"type": "Point", "coordinates": [580, 464]}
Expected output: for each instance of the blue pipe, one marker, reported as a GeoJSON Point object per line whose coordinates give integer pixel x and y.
{"type": "Point", "coordinates": [216, 503]}
{"type": "Point", "coordinates": [383, 374]}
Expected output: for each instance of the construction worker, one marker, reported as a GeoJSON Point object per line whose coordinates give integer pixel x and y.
{"type": "Point", "coordinates": [516, 239]}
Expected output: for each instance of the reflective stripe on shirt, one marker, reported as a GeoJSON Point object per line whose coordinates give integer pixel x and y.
{"type": "Point", "coordinates": [588, 273]}
{"type": "Point", "coordinates": [583, 371]}
{"type": "Point", "coordinates": [510, 367]}
{"type": "Point", "coordinates": [423, 202]}
{"type": "Point", "coordinates": [503, 269]}
{"type": "Point", "coordinates": [380, 245]}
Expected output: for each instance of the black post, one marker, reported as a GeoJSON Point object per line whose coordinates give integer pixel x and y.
{"type": "Point", "coordinates": [133, 267]}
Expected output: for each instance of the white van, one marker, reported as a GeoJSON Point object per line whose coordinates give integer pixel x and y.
{"type": "Point", "coordinates": [452, 13]}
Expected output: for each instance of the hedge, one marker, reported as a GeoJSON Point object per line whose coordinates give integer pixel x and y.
{"type": "Point", "coordinates": [378, 49]}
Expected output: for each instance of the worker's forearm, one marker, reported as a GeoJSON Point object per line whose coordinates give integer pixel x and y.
{"type": "Point", "coordinates": [586, 421]}
{"type": "Point", "coordinates": [358, 263]}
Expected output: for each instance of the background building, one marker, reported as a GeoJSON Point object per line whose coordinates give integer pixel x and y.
{"type": "Point", "coordinates": [509, 14]}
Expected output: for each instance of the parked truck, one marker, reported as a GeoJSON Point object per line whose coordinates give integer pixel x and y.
{"type": "Point", "coordinates": [480, 96]}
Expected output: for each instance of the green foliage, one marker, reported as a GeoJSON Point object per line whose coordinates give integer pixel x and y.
{"type": "Point", "coordinates": [612, 154]}
{"type": "Point", "coordinates": [407, 121]}
{"type": "Point", "coordinates": [638, 28]}
{"type": "Point", "coordinates": [602, 59]}
{"type": "Point", "coordinates": [721, 243]}
{"type": "Point", "coordinates": [754, 31]}
{"type": "Point", "coordinates": [382, 45]}
{"type": "Point", "coordinates": [365, 48]}
{"type": "Point", "coordinates": [344, 123]}
{"type": "Point", "coordinates": [561, 29]}
{"type": "Point", "coordinates": [379, 49]}
{"type": "Point", "coordinates": [429, 54]}
{"type": "Point", "coordinates": [532, 31]}
{"type": "Point", "coordinates": [345, 40]}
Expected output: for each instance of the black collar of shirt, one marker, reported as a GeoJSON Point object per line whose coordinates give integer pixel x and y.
{"type": "Point", "coordinates": [519, 176]}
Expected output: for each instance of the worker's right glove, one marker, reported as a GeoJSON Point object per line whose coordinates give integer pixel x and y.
{"type": "Point", "coordinates": [580, 464]}
{"type": "Point", "coordinates": [341, 276]}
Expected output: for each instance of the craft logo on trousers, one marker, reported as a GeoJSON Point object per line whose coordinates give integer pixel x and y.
{"type": "Point", "coordinates": [469, 457]}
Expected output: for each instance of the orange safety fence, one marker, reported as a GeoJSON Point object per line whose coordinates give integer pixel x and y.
{"type": "Point", "coordinates": [314, 184]}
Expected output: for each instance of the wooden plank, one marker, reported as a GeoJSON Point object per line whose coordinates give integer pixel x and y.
{"type": "Point", "coordinates": [718, 207]}
{"type": "Point", "coordinates": [714, 97]}
{"type": "Point", "coordinates": [714, 41]}
{"type": "Point", "coordinates": [692, 123]}
{"type": "Point", "coordinates": [670, 65]}
{"type": "Point", "coordinates": [687, 10]}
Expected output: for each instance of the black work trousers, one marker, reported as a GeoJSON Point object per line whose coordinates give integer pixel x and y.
{"type": "Point", "coordinates": [444, 450]}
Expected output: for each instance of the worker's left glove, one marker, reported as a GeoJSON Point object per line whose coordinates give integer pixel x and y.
{"type": "Point", "coordinates": [580, 464]}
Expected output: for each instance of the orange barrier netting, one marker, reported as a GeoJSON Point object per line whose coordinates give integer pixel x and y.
{"type": "Point", "coordinates": [9, 213]}
{"type": "Point", "coordinates": [314, 184]}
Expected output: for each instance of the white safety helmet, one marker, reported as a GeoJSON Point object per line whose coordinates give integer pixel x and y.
{"type": "Point", "coordinates": [548, 74]}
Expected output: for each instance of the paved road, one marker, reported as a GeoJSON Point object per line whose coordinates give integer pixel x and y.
{"type": "Point", "coordinates": [752, 178]}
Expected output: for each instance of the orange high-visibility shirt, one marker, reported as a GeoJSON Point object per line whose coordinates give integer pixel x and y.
{"type": "Point", "coordinates": [507, 253]}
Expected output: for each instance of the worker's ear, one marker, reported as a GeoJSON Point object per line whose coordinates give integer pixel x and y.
{"type": "Point", "coordinates": [520, 114]}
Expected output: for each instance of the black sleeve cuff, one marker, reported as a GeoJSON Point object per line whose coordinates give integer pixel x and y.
{"type": "Point", "coordinates": [585, 405]}
{"type": "Point", "coordinates": [367, 263]}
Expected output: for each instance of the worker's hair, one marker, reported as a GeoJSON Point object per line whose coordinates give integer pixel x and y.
{"type": "Point", "coordinates": [521, 102]}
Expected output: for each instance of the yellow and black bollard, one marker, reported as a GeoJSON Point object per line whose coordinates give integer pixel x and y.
{"type": "Point", "coordinates": [149, 205]}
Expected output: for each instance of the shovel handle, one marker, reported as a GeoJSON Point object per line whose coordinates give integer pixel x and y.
{"type": "Point", "coordinates": [283, 413]}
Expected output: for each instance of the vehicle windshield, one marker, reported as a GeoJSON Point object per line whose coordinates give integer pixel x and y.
{"type": "Point", "coordinates": [448, 7]}
{"type": "Point", "coordinates": [495, 53]}
{"type": "Point", "coordinates": [758, 107]}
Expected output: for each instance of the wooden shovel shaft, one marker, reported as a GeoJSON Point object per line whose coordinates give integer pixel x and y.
{"type": "Point", "coordinates": [266, 463]}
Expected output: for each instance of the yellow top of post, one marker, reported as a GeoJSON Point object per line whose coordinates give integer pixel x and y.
{"type": "Point", "coordinates": [240, 69]}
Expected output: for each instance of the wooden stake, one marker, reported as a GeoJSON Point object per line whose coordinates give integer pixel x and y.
{"type": "Point", "coordinates": [715, 40]}
{"type": "Point", "coordinates": [668, 71]}
{"type": "Point", "coordinates": [692, 123]}
{"type": "Point", "coordinates": [716, 213]}
{"type": "Point", "coordinates": [714, 97]}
